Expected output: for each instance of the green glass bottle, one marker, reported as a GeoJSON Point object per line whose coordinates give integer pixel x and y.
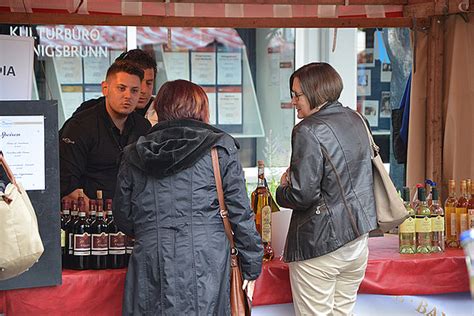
{"type": "Point", "coordinates": [406, 231]}
{"type": "Point", "coordinates": [423, 224]}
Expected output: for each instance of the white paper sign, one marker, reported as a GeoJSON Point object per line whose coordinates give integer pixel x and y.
{"type": "Point", "coordinates": [22, 143]}
{"type": "Point", "coordinates": [177, 65]}
{"type": "Point", "coordinates": [69, 69]}
{"type": "Point", "coordinates": [16, 67]}
{"type": "Point", "coordinates": [229, 68]}
{"type": "Point", "coordinates": [230, 108]}
{"type": "Point", "coordinates": [95, 69]}
{"type": "Point", "coordinates": [203, 68]}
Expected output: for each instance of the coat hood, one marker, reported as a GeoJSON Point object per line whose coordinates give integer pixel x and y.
{"type": "Point", "coordinates": [172, 146]}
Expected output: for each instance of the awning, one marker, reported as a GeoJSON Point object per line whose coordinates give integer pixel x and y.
{"type": "Point", "coordinates": [240, 10]}
{"type": "Point", "coordinates": [114, 37]}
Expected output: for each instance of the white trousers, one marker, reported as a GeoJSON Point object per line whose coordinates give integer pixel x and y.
{"type": "Point", "coordinates": [326, 285]}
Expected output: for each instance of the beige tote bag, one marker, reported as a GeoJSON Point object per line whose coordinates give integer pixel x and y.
{"type": "Point", "coordinates": [389, 206]}
{"type": "Point", "coordinates": [20, 241]}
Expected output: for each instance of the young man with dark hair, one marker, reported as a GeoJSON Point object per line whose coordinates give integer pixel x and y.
{"type": "Point", "coordinates": [146, 62]}
{"type": "Point", "coordinates": [92, 140]}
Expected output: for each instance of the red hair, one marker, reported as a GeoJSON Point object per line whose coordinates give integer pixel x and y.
{"type": "Point", "coordinates": [181, 99]}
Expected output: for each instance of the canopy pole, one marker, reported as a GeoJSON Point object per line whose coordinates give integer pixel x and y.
{"type": "Point", "coordinates": [434, 108]}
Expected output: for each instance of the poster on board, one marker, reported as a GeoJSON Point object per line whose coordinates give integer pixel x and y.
{"type": "Point", "coordinates": [16, 67]}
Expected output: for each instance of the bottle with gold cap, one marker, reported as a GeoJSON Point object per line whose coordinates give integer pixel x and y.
{"type": "Point", "coordinates": [461, 210]}
{"type": "Point", "coordinates": [263, 213]}
{"type": "Point", "coordinates": [451, 217]}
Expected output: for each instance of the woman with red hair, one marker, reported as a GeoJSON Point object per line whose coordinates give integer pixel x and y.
{"type": "Point", "coordinates": [166, 198]}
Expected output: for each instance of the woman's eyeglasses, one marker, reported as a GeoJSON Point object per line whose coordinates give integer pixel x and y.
{"type": "Point", "coordinates": [295, 95]}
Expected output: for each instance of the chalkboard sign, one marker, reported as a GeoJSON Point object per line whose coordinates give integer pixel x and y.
{"type": "Point", "coordinates": [45, 198]}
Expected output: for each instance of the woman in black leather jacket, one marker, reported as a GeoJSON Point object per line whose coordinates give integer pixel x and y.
{"type": "Point", "coordinates": [329, 187]}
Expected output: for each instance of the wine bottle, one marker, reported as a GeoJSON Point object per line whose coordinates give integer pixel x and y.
{"type": "Point", "coordinates": [92, 211]}
{"type": "Point", "coordinates": [437, 222]}
{"type": "Point", "coordinates": [129, 243]}
{"type": "Point", "coordinates": [423, 224]}
{"type": "Point", "coordinates": [263, 213]}
{"type": "Point", "coordinates": [82, 238]}
{"type": "Point", "coordinates": [406, 231]}
{"type": "Point", "coordinates": [470, 207]}
{"type": "Point", "coordinates": [69, 228]}
{"type": "Point", "coordinates": [65, 219]}
{"type": "Point", "coordinates": [461, 210]}
{"type": "Point", "coordinates": [116, 257]}
{"type": "Point", "coordinates": [99, 239]}
{"type": "Point", "coordinates": [450, 216]}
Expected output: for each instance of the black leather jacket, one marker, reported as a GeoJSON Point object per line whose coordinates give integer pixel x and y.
{"type": "Point", "coordinates": [331, 186]}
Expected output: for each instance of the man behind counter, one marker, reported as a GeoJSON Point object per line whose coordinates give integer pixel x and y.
{"type": "Point", "coordinates": [92, 140]}
{"type": "Point", "coordinates": [146, 62]}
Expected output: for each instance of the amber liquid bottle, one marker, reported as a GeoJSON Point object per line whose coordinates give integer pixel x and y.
{"type": "Point", "coordinates": [263, 213]}
{"type": "Point", "coordinates": [81, 238]}
{"type": "Point", "coordinates": [450, 216]}
{"type": "Point", "coordinates": [461, 210]}
{"type": "Point", "coordinates": [99, 238]}
{"type": "Point", "coordinates": [116, 257]}
{"type": "Point", "coordinates": [470, 207]}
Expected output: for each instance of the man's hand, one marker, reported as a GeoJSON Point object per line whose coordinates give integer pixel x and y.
{"type": "Point", "coordinates": [248, 287]}
{"type": "Point", "coordinates": [74, 195]}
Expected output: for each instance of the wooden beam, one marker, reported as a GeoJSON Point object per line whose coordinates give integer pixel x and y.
{"type": "Point", "coordinates": [434, 107]}
{"type": "Point", "coordinates": [433, 8]}
{"type": "Point", "coordinates": [299, 2]}
{"type": "Point", "coordinates": [81, 19]}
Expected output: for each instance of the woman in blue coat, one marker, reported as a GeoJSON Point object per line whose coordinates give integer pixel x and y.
{"type": "Point", "coordinates": [166, 198]}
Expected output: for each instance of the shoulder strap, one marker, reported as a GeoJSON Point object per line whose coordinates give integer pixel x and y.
{"type": "Point", "coordinates": [220, 196]}
{"type": "Point", "coordinates": [7, 169]}
{"type": "Point", "coordinates": [375, 148]}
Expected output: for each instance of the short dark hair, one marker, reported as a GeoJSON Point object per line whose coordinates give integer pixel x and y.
{"type": "Point", "coordinates": [125, 66]}
{"type": "Point", "coordinates": [143, 59]}
{"type": "Point", "coordinates": [320, 83]}
{"type": "Point", "coordinates": [181, 99]}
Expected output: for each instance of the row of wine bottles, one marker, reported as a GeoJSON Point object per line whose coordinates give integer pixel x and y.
{"type": "Point", "coordinates": [423, 231]}
{"type": "Point", "coordinates": [430, 228]}
{"type": "Point", "coordinates": [94, 241]}
{"type": "Point", "coordinates": [459, 211]}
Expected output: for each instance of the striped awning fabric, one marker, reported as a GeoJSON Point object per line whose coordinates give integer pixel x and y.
{"type": "Point", "coordinates": [215, 10]}
{"type": "Point", "coordinates": [114, 37]}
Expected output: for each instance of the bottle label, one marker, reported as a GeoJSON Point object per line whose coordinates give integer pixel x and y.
{"type": "Point", "coordinates": [100, 244]}
{"type": "Point", "coordinates": [117, 243]}
{"type": "Point", "coordinates": [129, 244]}
{"type": "Point", "coordinates": [266, 224]}
{"type": "Point", "coordinates": [423, 224]}
{"type": "Point", "coordinates": [453, 225]}
{"type": "Point", "coordinates": [63, 238]}
{"type": "Point", "coordinates": [408, 226]}
{"type": "Point", "coordinates": [82, 244]}
{"type": "Point", "coordinates": [71, 243]}
{"type": "Point", "coordinates": [470, 217]}
{"type": "Point", "coordinates": [463, 222]}
{"type": "Point", "coordinates": [437, 223]}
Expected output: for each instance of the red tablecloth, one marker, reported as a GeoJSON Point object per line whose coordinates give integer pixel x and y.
{"type": "Point", "coordinates": [388, 272]}
{"type": "Point", "coordinates": [100, 292]}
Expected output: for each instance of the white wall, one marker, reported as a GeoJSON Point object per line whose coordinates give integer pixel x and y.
{"type": "Point", "coordinates": [315, 45]}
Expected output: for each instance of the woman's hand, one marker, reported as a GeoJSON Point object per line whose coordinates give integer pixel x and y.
{"type": "Point", "coordinates": [248, 287]}
{"type": "Point", "coordinates": [285, 178]}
